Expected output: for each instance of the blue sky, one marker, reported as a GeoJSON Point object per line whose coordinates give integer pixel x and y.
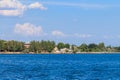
{"type": "Point", "coordinates": [69, 21]}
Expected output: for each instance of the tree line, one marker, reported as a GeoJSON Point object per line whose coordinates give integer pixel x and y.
{"type": "Point", "coordinates": [11, 46]}
{"type": "Point", "coordinates": [48, 47]}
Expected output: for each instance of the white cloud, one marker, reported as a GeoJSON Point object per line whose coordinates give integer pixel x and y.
{"type": "Point", "coordinates": [37, 5]}
{"type": "Point", "coordinates": [16, 8]}
{"type": "Point", "coordinates": [58, 33]}
{"type": "Point", "coordinates": [11, 12]}
{"type": "Point", "coordinates": [11, 8]}
{"type": "Point", "coordinates": [28, 29]}
{"type": "Point", "coordinates": [83, 35]}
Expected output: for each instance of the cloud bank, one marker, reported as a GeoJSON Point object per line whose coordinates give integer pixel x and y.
{"type": "Point", "coordinates": [16, 8]}
{"type": "Point", "coordinates": [58, 33]}
{"type": "Point", "coordinates": [28, 29]}
{"type": "Point", "coordinates": [37, 5]}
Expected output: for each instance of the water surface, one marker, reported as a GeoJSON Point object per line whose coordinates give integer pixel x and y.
{"type": "Point", "coordinates": [60, 67]}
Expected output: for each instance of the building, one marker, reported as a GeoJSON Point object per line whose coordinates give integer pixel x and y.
{"type": "Point", "coordinates": [27, 45]}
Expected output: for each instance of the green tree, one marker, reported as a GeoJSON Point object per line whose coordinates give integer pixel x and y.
{"type": "Point", "coordinates": [117, 49]}
{"type": "Point", "coordinates": [60, 45]}
{"type": "Point", "coordinates": [101, 46]}
{"type": "Point", "coordinates": [50, 46]}
{"type": "Point", "coordinates": [35, 47]}
{"type": "Point", "coordinates": [67, 45]}
{"type": "Point", "coordinates": [93, 47]}
{"type": "Point", "coordinates": [2, 45]}
{"type": "Point", "coordinates": [83, 47]}
{"type": "Point", "coordinates": [42, 46]}
{"type": "Point", "coordinates": [15, 46]}
{"type": "Point", "coordinates": [74, 48]}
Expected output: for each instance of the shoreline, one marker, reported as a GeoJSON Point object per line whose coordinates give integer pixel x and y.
{"type": "Point", "coordinates": [61, 53]}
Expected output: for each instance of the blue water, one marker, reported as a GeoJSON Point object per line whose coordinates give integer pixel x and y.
{"type": "Point", "coordinates": [60, 67]}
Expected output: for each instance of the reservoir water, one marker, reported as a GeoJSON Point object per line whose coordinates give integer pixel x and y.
{"type": "Point", "coordinates": [60, 67]}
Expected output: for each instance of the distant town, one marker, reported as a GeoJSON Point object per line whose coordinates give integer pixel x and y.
{"type": "Point", "coordinates": [42, 46]}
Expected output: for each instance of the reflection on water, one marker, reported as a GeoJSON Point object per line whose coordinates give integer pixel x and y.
{"type": "Point", "coordinates": [60, 67]}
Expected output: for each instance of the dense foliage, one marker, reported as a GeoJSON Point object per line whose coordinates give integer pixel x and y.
{"type": "Point", "coordinates": [49, 46]}
{"type": "Point", "coordinates": [61, 45]}
{"type": "Point", "coordinates": [41, 46]}
{"type": "Point", "coordinates": [12, 46]}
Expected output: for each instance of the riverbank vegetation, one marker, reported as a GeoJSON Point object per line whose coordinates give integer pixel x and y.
{"type": "Point", "coordinates": [52, 47]}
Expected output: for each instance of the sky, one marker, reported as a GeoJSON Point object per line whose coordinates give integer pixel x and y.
{"type": "Point", "coordinates": [68, 21]}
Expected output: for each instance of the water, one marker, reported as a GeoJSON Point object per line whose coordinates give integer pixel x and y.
{"type": "Point", "coordinates": [60, 67]}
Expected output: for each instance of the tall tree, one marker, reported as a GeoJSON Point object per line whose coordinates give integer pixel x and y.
{"type": "Point", "coordinates": [83, 47]}
{"type": "Point", "coordinates": [60, 45]}
{"type": "Point", "coordinates": [93, 47]}
{"type": "Point", "coordinates": [101, 46]}
{"type": "Point", "coordinates": [67, 45]}
{"type": "Point", "coordinates": [2, 45]}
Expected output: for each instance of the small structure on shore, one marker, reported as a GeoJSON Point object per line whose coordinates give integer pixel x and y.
{"type": "Point", "coordinates": [56, 50]}
{"type": "Point", "coordinates": [27, 45]}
